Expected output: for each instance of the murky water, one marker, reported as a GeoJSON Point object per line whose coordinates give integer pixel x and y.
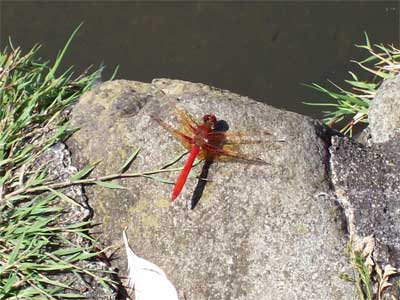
{"type": "Point", "coordinates": [264, 50]}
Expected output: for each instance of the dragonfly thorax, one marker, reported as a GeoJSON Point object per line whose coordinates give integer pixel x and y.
{"type": "Point", "coordinates": [202, 131]}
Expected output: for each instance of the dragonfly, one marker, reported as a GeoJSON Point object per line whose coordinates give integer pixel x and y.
{"type": "Point", "coordinates": [207, 141]}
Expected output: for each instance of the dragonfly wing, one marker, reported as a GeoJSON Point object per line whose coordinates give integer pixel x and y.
{"type": "Point", "coordinates": [235, 139]}
{"type": "Point", "coordinates": [187, 120]}
{"type": "Point", "coordinates": [227, 153]}
{"type": "Point", "coordinates": [238, 137]}
{"type": "Point", "coordinates": [186, 140]}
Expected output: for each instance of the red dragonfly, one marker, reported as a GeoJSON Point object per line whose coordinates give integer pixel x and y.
{"type": "Point", "coordinates": [207, 142]}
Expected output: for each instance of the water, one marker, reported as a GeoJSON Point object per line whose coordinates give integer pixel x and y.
{"type": "Point", "coordinates": [264, 50]}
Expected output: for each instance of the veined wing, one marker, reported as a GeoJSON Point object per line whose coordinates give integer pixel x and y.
{"type": "Point", "coordinates": [186, 140]}
{"type": "Point", "coordinates": [231, 138]}
{"type": "Point", "coordinates": [227, 153]}
{"type": "Point", "coordinates": [183, 121]}
{"type": "Point", "coordinates": [226, 146]}
{"type": "Point", "coordinates": [187, 121]}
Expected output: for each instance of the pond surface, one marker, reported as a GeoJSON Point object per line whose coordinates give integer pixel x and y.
{"type": "Point", "coordinates": [264, 50]}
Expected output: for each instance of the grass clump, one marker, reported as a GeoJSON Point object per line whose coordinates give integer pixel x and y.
{"type": "Point", "coordinates": [35, 243]}
{"type": "Point", "coordinates": [43, 255]}
{"type": "Point", "coordinates": [350, 107]}
{"type": "Point", "coordinates": [373, 281]}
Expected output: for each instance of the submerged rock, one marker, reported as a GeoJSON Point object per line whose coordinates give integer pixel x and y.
{"type": "Point", "coordinates": [256, 232]}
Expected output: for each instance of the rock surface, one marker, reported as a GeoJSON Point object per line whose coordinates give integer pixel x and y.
{"type": "Point", "coordinates": [367, 183]}
{"type": "Point", "coordinates": [366, 180]}
{"type": "Point", "coordinates": [257, 231]}
{"type": "Point", "coordinates": [384, 115]}
{"type": "Point", "coordinates": [58, 160]}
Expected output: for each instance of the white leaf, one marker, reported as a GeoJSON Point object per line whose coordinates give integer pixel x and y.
{"type": "Point", "coordinates": [149, 280]}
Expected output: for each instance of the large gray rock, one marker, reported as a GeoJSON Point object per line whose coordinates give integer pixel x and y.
{"type": "Point", "coordinates": [384, 112]}
{"type": "Point", "coordinates": [257, 231]}
{"type": "Point", "coordinates": [367, 184]}
{"type": "Point", "coordinates": [366, 180]}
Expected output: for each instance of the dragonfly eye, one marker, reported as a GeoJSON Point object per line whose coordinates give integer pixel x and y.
{"type": "Point", "coordinates": [210, 120]}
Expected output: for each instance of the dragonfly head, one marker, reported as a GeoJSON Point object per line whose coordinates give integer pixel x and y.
{"type": "Point", "coordinates": [209, 121]}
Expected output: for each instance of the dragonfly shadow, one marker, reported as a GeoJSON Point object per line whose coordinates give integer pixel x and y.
{"type": "Point", "coordinates": [201, 184]}
{"type": "Point", "coordinates": [221, 126]}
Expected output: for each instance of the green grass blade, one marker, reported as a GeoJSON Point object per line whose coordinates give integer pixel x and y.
{"type": "Point", "coordinates": [110, 185]}
{"type": "Point", "coordinates": [84, 172]}
{"type": "Point", "coordinates": [130, 159]}
{"type": "Point", "coordinates": [60, 56]}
